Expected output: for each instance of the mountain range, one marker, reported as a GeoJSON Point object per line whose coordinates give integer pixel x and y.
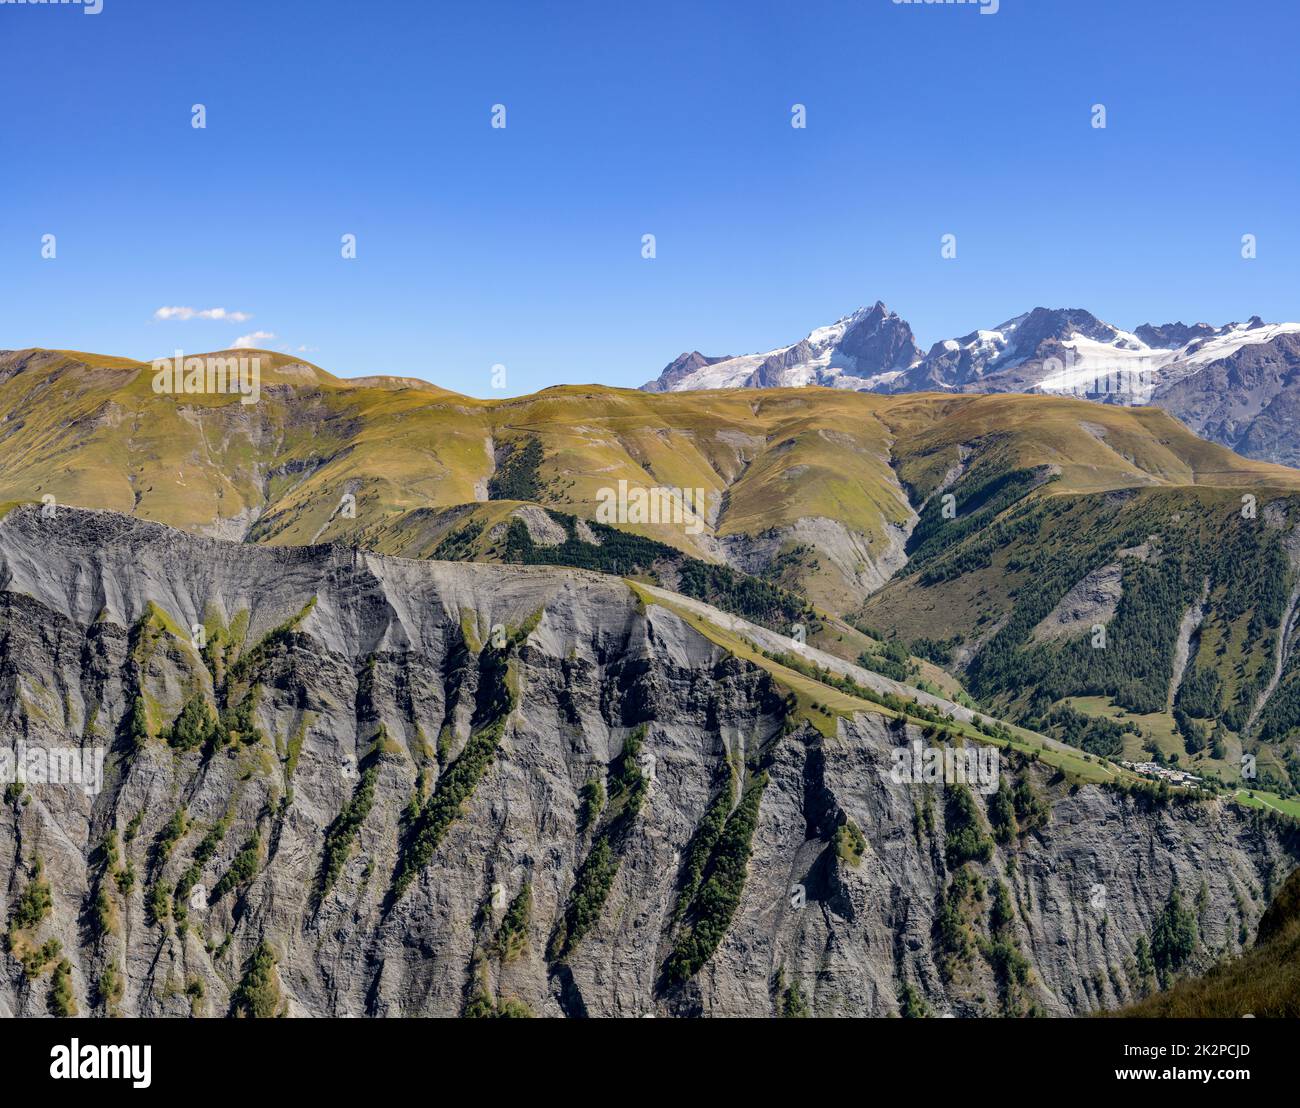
{"type": "Point", "coordinates": [1236, 384]}
{"type": "Point", "coordinates": [430, 732]}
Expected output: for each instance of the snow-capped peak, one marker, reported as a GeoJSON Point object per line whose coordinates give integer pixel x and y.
{"type": "Point", "coordinates": [1055, 350]}
{"type": "Point", "coordinates": [862, 350]}
{"type": "Point", "coordinates": [1131, 369]}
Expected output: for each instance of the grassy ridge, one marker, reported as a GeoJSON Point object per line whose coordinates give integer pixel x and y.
{"type": "Point", "coordinates": [90, 431]}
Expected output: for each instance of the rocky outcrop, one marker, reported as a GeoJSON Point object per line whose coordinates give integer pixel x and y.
{"type": "Point", "coordinates": [542, 529]}
{"type": "Point", "coordinates": [1248, 401]}
{"type": "Point", "coordinates": [1092, 602]}
{"type": "Point", "coordinates": [849, 561]}
{"type": "Point", "coordinates": [358, 689]}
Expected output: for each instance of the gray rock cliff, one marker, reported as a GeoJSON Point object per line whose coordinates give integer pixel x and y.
{"type": "Point", "coordinates": [363, 675]}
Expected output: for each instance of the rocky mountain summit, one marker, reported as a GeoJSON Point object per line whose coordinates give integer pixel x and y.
{"type": "Point", "coordinates": [339, 783]}
{"type": "Point", "coordinates": [1236, 384]}
{"type": "Point", "coordinates": [866, 350]}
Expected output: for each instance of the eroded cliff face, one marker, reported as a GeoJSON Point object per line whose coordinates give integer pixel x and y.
{"type": "Point", "coordinates": [446, 787]}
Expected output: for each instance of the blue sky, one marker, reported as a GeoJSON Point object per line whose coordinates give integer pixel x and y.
{"type": "Point", "coordinates": [522, 246]}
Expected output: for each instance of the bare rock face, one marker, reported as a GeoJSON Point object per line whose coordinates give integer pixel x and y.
{"type": "Point", "coordinates": [856, 564]}
{"type": "Point", "coordinates": [542, 529]}
{"type": "Point", "coordinates": [340, 825]}
{"type": "Point", "coordinates": [1248, 401]}
{"type": "Point", "coordinates": [1092, 601]}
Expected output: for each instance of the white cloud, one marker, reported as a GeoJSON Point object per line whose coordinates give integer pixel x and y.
{"type": "Point", "coordinates": [219, 314]}
{"type": "Point", "coordinates": [256, 339]}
